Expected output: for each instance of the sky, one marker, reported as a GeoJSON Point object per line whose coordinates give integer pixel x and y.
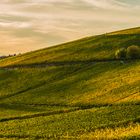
{"type": "Point", "coordinates": [27, 25]}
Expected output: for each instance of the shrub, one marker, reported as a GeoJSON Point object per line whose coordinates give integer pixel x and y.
{"type": "Point", "coordinates": [133, 52]}
{"type": "Point", "coordinates": [121, 53]}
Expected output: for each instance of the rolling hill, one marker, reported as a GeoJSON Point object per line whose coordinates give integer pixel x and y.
{"type": "Point", "coordinates": [99, 100]}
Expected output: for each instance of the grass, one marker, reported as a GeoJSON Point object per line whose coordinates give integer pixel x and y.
{"type": "Point", "coordinates": [74, 85]}
{"type": "Point", "coordinates": [83, 101]}
{"type": "Point", "coordinates": [74, 124]}
{"type": "Point", "coordinates": [130, 132]}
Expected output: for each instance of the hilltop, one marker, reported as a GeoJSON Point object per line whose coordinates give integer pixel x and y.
{"type": "Point", "coordinates": [99, 100]}
{"type": "Point", "coordinates": [95, 47]}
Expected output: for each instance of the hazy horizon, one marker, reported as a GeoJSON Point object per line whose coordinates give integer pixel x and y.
{"type": "Point", "coordinates": [27, 25]}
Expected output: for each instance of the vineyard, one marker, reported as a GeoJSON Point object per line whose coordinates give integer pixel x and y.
{"type": "Point", "coordinates": [93, 100]}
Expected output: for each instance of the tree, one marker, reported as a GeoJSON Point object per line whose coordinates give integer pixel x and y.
{"type": "Point", "coordinates": [133, 51]}
{"type": "Point", "coordinates": [121, 53]}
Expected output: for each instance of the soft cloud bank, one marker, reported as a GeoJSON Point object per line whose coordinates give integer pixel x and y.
{"type": "Point", "coordinates": [32, 24]}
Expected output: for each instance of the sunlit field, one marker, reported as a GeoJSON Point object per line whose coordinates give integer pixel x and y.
{"type": "Point", "coordinates": [99, 100]}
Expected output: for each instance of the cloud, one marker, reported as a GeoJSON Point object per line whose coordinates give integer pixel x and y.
{"type": "Point", "coordinates": [15, 24]}
{"type": "Point", "coordinates": [107, 4]}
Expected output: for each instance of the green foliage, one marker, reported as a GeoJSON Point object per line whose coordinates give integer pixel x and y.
{"type": "Point", "coordinates": [133, 51]}
{"type": "Point", "coordinates": [121, 53]}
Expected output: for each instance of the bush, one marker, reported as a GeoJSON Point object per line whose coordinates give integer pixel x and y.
{"type": "Point", "coordinates": [121, 53]}
{"type": "Point", "coordinates": [133, 52]}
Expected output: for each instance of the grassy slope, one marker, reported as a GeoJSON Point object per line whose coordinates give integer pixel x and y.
{"type": "Point", "coordinates": [106, 94]}
{"type": "Point", "coordinates": [96, 47]}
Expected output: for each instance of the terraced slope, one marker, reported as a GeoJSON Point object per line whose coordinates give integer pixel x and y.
{"type": "Point", "coordinates": [83, 101]}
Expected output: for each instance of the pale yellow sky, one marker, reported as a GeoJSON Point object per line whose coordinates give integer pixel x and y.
{"type": "Point", "coordinates": [27, 25]}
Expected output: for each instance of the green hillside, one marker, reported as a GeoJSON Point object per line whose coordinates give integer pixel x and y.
{"type": "Point", "coordinates": [83, 101]}
{"type": "Point", "coordinates": [96, 47]}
